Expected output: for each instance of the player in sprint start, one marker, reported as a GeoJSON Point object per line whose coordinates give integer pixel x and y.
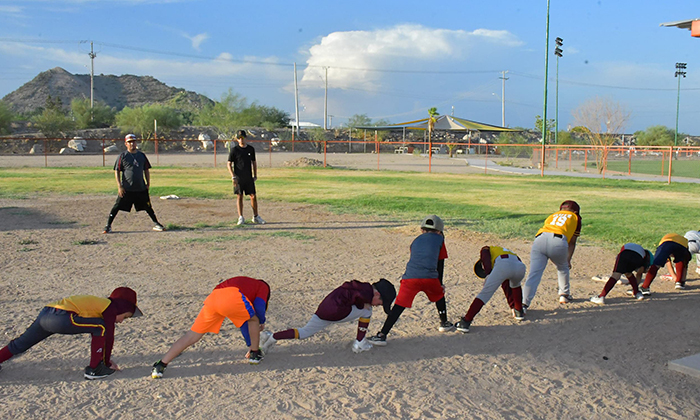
{"type": "Point", "coordinates": [350, 302]}
{"type": "Point", "coordinates": [632, 257]}
{"type": "Point", "coordinates": [555, 241]}
{"type": "Point", "coordinates": [500, 267]}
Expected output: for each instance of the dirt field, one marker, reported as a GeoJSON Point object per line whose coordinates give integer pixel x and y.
{"type": "Point", "coordinates": [578, 361]}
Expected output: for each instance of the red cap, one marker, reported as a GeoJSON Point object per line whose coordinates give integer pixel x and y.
{"type": "Point", "coordinates": [572, 205]}
{"type": "Point", "coordinates": [127, 294]}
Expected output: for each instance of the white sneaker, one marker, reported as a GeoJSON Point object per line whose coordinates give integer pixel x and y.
{"type": "Point", "coordinates": [360, 346]}
{"type": "Point", "coordinates": [267, 345]}
{"type": "Point", "coordinates": [264, 336]}
{"type": "Point", "coordinates": [565, 299]}
{"type": "Point", "coordinates": [241, 220]}
{"type": "Point", "coordinates": [259, 220]}
{"type": "Point", "coordinates": [639, 296]}
{"type": "Point", "coordinates": [600, 300]}
{"type": "Point", "coordinates": [158, 228]}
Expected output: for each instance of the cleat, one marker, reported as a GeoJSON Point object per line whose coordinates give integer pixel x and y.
{"type": "Point", "coordinates": [158, 227]}
{"type": "Point", "coordinates": [446, 326]}
{"type": "Point", "coordinates": [266, 341]}
{"type": "Point", "coordinates": [565, 299]}
{"type": "Point", "coordinates": [108, 229]}
{"type": "Point", "coordinates": [518, 315]}
{"type": "Point", "coordinates": [360, 346]}
{"type": "Point", "coordinates": [158, 370]}
{"type": "Point", "coordinates": [378, 340]}
{"type": "Point", "coordinates": [645, 291]}
{"type": "Point", "coordinates": [241, 220]}
{"type": "Point", "coordinates": [463, 325]}
{"type": "Point", "coordinates": [258, 220]}
{"type": "Point", "coordinates": [639, 296]}
{"type": "Point", "coordinates": [254, 357]}
{"type": "Point", "coordinates": [600, 300]}
{"type": "Point", "coordinates": [680, 285]}
{"type": "Point", "coordinates": [101, 371]}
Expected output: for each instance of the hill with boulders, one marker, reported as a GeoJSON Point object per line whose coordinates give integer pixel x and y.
{"type": "Point", "coordinates": [115, 91]}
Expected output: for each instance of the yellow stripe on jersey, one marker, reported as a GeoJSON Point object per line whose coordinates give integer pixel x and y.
{"type": "Point", "coordinates": [674, 237]}
{"type": "Point", "coordinates": [497, 251]}
{"type": "Point", "coordinates": [562, 222]}
{"type": "Point", "coordinates": [84, 305]}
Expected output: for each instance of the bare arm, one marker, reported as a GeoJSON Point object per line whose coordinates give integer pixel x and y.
{"type": "Point", "coordinates": [147, 176]}
{"type": "Point", "coordinates": [255, 170]}
{"type": "Point", "coordinates": [120, 189]}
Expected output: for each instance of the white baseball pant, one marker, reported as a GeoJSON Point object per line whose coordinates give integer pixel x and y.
{"type": "Point", "coordinates": [510, 268]}
{"type": "Point", "coordinates": [316, 324]}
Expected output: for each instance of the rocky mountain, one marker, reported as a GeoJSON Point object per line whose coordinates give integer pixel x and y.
{"type": "Point", "coordinates": [115, 91]}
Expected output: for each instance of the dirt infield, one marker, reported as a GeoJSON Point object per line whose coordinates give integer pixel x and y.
{"type": "Point", "coordinates": [578, 361]}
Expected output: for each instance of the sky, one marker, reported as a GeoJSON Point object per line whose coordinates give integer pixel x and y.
{"type": "Point", "coordinates": [390, 60]}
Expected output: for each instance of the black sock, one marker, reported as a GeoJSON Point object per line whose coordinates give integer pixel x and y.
{"type": "Point", "coordinates": [441, 306]}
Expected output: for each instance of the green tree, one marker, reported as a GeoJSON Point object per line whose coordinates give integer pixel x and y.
{"type": "Point", "coordinates": [359, 120]}
{"type": "Point", "coordinates": [513, 151]}
{"type": "Point", "coordinates": [6, 117]}
{"type": "Point", "coordinates": [233, 112]}
{"type": "Point", "coordinates": [100, 116]}
{"type": "Point", "coordinates": [550, 127]}
{"type": "Point", "coordinates": [52, 121]}
{"type": "Point", "coordinates": [656, 135]}
{"type": "Point", "coordinates": [141, 120]}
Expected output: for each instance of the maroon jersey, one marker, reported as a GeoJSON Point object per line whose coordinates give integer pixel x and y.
{"type": "Point", "coordinates": [250, 287]}
{"type": "Point", "coordinates": [338, 304]}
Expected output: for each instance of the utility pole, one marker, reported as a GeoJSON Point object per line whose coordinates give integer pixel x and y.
{"type": "Point", "coordinates": [92, 75]}
{"type": "Point", "coordinates": [680, 71]}
{"type": "Point", "coordinates": [503, 98]}
{"type": "Point", "coordinates": [330, 123]}
{"type": "Point", "coordinates": [296, 98]}
{"type": "Point", "coordinates": [558, 52]}
{"type": "Point", "coordinates": [325, 104]}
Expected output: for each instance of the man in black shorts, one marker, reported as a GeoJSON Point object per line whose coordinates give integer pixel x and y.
{"type": "Point", "coordinates": [244, 172]}
{"type": "Point", "coordinates": [131, 170]}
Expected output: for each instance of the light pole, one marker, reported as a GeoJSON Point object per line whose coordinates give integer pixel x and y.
{"type": "Point", "coordinates": [546, 75]}
{"type": "Point", "coordinates": [503, 97]}
{"type": "Point", "coordinates": [558, 52]}
{"type": "Point", "coordinates": [680, 71]}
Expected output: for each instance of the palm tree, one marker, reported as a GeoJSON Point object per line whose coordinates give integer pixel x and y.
{"type": "Point", "coordinates": [432, 113]}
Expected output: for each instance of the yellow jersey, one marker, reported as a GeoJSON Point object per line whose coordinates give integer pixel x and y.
{"type": "Point", "coordinates": [563, 222]}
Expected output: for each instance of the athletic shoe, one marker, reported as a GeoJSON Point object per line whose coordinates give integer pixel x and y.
{"type": "Point", "coordinates": [101, 371]}
{"type": "Point", "coordinates": [639, 296]}
{"type": "Point", "coordinates": [241, 220]}
{"type": "Point", "coordinates": [108, 229]}
{"type": "Point", "coordinates": [680, 285]}
{"type": "Point", "coordinates": [463, 325]}
{"type": "Point", "coordinates": [600, 300]}
{"type": "Point", "coordinates": [158, 370]}
{"type": "Point", "coordinates": [565, 299]}
{"type": "Point", "coordinates": [518, 315]}
{"type": "Point", "coordinates": [360, 346]}
{"type": "Point", "coordinates": [254, 357]}
{"type": "Point", "coordinates": [645, 291]}
{"type": "Point", "coordinates": [259, 220]}
{"type": "Point", "coordinates": [158, 227]}
{"type": "Point", "coordinates": [378, 340]}
{"type": "Point", "coordinates": [525, 307]}
{"type": "Point", "coordinates": [446, 326]}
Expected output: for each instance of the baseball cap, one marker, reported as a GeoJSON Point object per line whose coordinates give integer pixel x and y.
{"type": "Point", "coordinates": [479, 269]}
{"type": "Point", "coordinates": [387, 291]}
{"type": "Point", "coordinates": [572, 205]}
{"type": "Point", "coordinates": [128, 295]}
{"type": "Point", "coordinates": [433, 222]}
{"type": "Point", "coordinates": [130, 137]}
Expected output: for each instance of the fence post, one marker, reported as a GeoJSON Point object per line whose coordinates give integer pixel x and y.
{"type": "Point", "coordinates": [556, 161]}
{"type": "Point", "coordinates": [605, 160]}
{"type": "Point", "coordinates": [663, 156]}
{"type": "Point", "coordinates": [569, 159]}
{"type": "Point", "coordinates": [103, 153]}
{"type": "Point", "coordinates": [46, 154]}
{"type": "Point", "coordinates": [486, 159]}
{"type": "Point", "coordinates": [585, 160]}
{"type": "Point", "coordinates": [325, 148]}
{"type": "Point", "coordinates": [629, 162]}
{"type": "Point", "coordinates": [376, 146]}
{"type": "Point", "coordinates": [670, 162]}
{"type": "Point", "coordinates": [270, 147]}
{"type": "Point", "coordinates": [215, 153]}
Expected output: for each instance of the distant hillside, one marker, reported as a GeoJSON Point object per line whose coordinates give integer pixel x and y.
{"type": "Point", "coordinates": [115, 91]}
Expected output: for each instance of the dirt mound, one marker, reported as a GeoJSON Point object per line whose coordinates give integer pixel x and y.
{"type": "Point", "coordinates": [304, 162]}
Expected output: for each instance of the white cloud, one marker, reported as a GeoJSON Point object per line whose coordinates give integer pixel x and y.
{"type": "Point", "coordinates": [197, 40]}
{"type": "Point", "coordinates": [10, 10]}
{"type": "Point", "coordinates": [353, 57]}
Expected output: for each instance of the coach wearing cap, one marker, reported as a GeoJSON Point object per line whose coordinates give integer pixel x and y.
{"type": "Point", "coordinates": [131, 171]}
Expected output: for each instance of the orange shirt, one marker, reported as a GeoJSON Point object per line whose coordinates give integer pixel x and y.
{"type": "Point", "coordinates": [563, 222]}
{"type": "Point", "coordinates": [674, 237]}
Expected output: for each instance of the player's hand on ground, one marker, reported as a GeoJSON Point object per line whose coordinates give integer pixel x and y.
{"type": "Point", "coordinates": [262, 327]}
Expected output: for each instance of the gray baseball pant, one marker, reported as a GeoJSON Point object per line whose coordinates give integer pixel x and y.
{"type": "Point", "coordinates": [547, 247]}
{"type": "Point", "coordinates": [316, 324]}
{"type": "Point", "coordinates": [510, 268]}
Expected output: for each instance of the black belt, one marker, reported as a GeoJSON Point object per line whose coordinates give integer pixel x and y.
{"type": "Point", "coordinates": [506, 256]}
{"type": "Point", "coordinates": [556, 235]}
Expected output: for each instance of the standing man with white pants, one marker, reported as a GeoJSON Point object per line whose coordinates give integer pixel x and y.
{"type": "Point", "coordinates": [555, 241]}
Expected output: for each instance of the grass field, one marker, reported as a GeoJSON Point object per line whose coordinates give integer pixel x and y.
{"type": "Point", "coordinates": [684, 168]}
{"type": "Point", "coordinates": [613, 211]}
